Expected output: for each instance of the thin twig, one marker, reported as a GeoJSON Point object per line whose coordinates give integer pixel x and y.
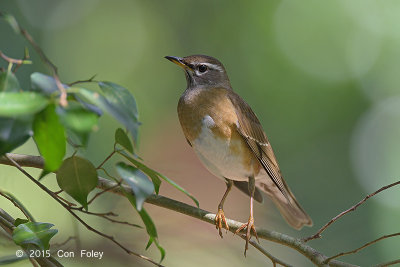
{"type": "Point", "coordinates": [105, 215]}
{"type": "Point", "coordinates": [353, 208]}
{"type": "Point", "coordinates": [66, 201]}
{"type": "Point", "coordinates": [90, 80]}
{"type": "Point", "coordinates": [273, 259]}
{"type": "Point", "coordinates": [102, 192]}
{"type": "Point", "coordinates": [25, 60]}
{"type": "Point", "coordinates": [65, 242]}
{"type": "Point", "coordinates": [106, 159]}
{"type": "Point", "coordinates": [90, 228]}
{"type": "Point", "coordinates": [28, 216]}
{"type": "Point", "coordinates": [360, 248]}
{"type": "Point", "coordinates": [389, 263]}
{"type": "Point", "coordinates": [13, 60]}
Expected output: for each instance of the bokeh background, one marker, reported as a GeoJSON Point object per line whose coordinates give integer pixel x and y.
{"type": "Point", "coordinates": [322, 76]}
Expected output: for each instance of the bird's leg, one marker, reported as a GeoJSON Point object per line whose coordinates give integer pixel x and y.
{"type": "Point", "coordinates": [220, 216]}
{"type": "Point", "coordinates": [250, 224]}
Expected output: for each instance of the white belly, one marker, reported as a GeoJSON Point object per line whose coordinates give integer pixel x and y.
{"type": "Point", "coordinates": [216, 154]}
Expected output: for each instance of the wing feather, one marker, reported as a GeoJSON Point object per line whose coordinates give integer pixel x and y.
{"type": "Point", "coordinates": [250, 128]}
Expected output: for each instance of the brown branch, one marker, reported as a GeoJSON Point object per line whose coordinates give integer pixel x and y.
{"type": "Point", "coordinates": [106, 159]}
{"type": "Point", "coordinates": [353, 208]}
{"type": "Point", "coordinates": [102, 192]}
{"type": "Point", "coordinates": [273, 259]}
{"type": "Point", "coordinates": [360, 248]}
{"type": "Point", "coordinates": [90, 80]}
{"type": "Point", "coordinates": [90, 228]}
{"type": "Point", "coordinates": [297, 244]}
{"type": "Point", "coordinates": [13, 60]}
{"type": "Point", "coordinates": [389, 263]}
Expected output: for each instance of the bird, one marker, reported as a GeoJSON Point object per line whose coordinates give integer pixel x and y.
{"type": "Point", "coordinates": [230, 141]}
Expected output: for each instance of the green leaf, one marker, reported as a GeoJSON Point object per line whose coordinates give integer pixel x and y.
{"type": "Point", "coordinates": [77, 177]}
{"type": "Point", "coordinates": [43, 83]}
{"type": "Point", "coordinates": [19, 221]}
{"type": "Point", "coordinates": [21, 103]}
{"type": "Point", "coordinates": [152, 173]}
{"type": "Point", "coordinates": [122, 105]}
{"type": "Point", "coordinates": [49, 136]}
{"type": "Point", "coordinates": [36, 233]}
{"type": "Point", "coordinates": [138, 181]}
{"type": "Point", "coordinates": [8, 82]}
{"type": "Point", "coordinates": [122, 139]}
{"type": "Point", "coordinates": [160, 248]}
{"type": "Point", "coordinates": [14, 132]}
{"type": "Point", "coordinates": [77, 118]}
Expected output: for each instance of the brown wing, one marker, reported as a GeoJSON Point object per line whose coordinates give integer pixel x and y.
{"type": "Point", "coordinates": [251, 130]}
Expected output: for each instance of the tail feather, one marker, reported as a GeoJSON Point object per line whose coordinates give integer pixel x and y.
{"type": "Point", "coordinates": [288, 206]}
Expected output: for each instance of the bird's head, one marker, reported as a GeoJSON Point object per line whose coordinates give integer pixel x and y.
{"type": "Point", "coordinates": [202, 71]}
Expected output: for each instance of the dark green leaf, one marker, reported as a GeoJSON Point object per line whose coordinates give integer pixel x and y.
{"type": "Point", "coordinates": [122, 105]}
{"type": "Point", "coordinates": [49, 136]}
{"type": "Point", "coordinates": [14, 132]}
{"type": "Point", "coordinates": [19, 221]}
{"type": "Point", "coordinates": [77, 118]}
{"type": "Point", "coordinates": [152, 173]}
{"type": "Point", "coordinates": [21, 103]}
{"type": "Point", "coordinates": [44, 83]}
{"type": "Point", "coordinates": [8, 82]}
{"type": "Point", "coordinates": [77, 177]}
{"type": "Point", "coordinates": [36, 233]}
{"type": "Point", "coordinates": [122, 139]}
{"type": "Point", "coordinates": [138, 181]}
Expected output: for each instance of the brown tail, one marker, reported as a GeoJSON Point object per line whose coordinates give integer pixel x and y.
{"type": "Point", "coordinates": [290, 210]}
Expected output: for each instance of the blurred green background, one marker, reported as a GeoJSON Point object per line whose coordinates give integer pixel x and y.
{"type": "Point", "coordinates": [322, 76]}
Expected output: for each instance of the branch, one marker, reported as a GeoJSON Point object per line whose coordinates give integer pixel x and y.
{"type": "Point", "coordinates": [362, 247]}
{"type": "Point", "coordinates": [297, 244]}
{"type": "Point", "coordinates": [16, 204]}
{"type": "Point", "coordinates": [12, 162]}
{"type": "Point", "coordinates": [387, 263]}
{"type": "Point", "coordinates": [353, 208]}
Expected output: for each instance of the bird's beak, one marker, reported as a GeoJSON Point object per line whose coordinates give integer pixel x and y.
{"type": "Point", "coordinates": [178, 61]}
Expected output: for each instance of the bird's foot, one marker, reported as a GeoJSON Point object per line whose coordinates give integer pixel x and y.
{"type": "Point", "coordinates": [249, 226]}
{"type": "Point", "coordinates": [219, 219]}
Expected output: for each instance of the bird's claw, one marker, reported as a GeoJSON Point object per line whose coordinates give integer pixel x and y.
{"type": "Point", "coordinates": [249, 226]}
{"type": "Point", "coordinates": [219, 220]}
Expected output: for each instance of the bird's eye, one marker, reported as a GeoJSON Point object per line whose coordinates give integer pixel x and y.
{"type": "Point", "coordinates": [202, 68]}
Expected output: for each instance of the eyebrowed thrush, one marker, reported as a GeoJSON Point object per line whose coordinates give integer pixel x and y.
{"type": "Point", "coordinates": [229, 140]}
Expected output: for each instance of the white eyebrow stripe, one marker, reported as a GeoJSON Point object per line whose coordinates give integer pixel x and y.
{"type": "Point", "coordinates": [212, 66]}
